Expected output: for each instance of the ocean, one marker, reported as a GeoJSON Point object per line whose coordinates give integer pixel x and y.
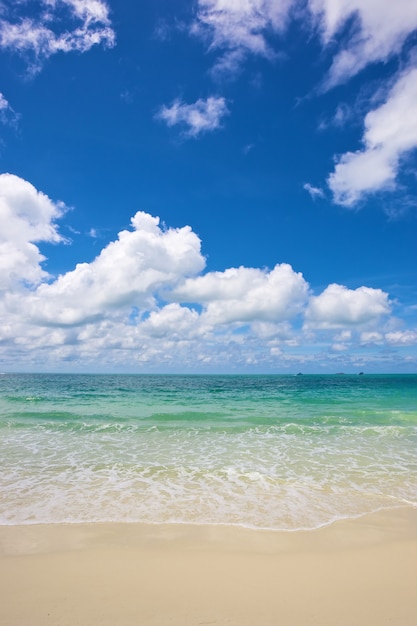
{"type": "Point", "coordinates": [277, 452]}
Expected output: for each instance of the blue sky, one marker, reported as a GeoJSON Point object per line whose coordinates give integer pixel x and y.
{"type": "Point", "coordinates": [208, 186]}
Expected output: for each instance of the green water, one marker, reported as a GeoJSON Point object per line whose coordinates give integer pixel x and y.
{"type": "Point", "coordinates": [265, 451]}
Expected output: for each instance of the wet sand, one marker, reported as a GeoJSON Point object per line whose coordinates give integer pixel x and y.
{"type": "Point", "coordinates": [351, 573]}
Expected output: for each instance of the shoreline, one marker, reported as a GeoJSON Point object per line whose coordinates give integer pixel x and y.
{"type": "Point", "coordinates": [402, 509]}
{"type": "Point", "coordinates": [361, 570]}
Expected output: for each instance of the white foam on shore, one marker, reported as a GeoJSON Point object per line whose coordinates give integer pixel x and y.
{"type": "Point", "coordinates": [286, 478]}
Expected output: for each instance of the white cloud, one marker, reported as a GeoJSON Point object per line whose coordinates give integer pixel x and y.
{"type": "Point", "coordinates": [7, 114]}
{"type": "Point", "coordinates": [172, 321]}
{"type": "Point", "coordinates": [4, 105]}
{"type": "Point", "coordinates": [371, 337]}
{"type": "Point", "coordinates": [26, 216]}
{"type": "Point", "coordinates": [144, 302]}
{"type": "Point", "coordinates": [315, 192]}
{"type": "Point", "coordinates": [340, 347]}
{"type": "Point", "coordinates": [128, 272]}
{"type": "Point", "coordinates": [390, 133]}
{"type": "Point", "coordinates": [199, 117]}
{"type": "Point", "coordinates": [344, 336]}
{"type": "Point", "coordinates": [281, 331]}
{"type": "Point", "coordinates": [341, 117]}
{"type": "Point", "coordinates": [373, 30]}
{"type": "Point", "coordinates": [355, 34]}
{"type": "Point", "coordinates": [247, 294]}
{"type": "Point", "coordinates": [379, 30]}
{"type": "Point", "coordinates": [402, 337]}
{"type": "Point", "coordinates": [59, 26]}
{"type": "Point", "coordinates": [240, 27]}
{"type": "Point", "coordinates": [339, 307]}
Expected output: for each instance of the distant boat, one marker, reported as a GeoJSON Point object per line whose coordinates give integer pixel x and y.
{"type": "Point", "coordinates": [360, 373]}
{"type": "Point", "coordinates": [299, 374]}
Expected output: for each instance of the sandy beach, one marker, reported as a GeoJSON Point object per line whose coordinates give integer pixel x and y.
{"type": "Point", "coordinates": [354, 572]}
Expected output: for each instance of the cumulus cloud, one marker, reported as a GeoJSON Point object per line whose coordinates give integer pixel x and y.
{"type": "Point", "coordinates": [390, 133]}
{"type": "Point", "coordinates": [128, 272]}
{"type": "Point", "coordinates": [247, 294]}
{"type": "Point", "coordinates": [402, 337]}
{"type": "Point", "coordinates": [368, 337]}
{"type": "Point", "coordinates": [172, 320]}
{"type": "Point", "coordinates": [344, 336]}
{"type": "Point", "coordinates": [197, 118]}
{"type": "Point", "coordinates": [27, 216]}
{"type": "Point", "coordinates": [146, 302]}
{"type": "Point", "coordinates": [57, 26]}
{"type": "Point", "coordinates": [338, 307]}
{"type": "Point", "coordinates": [281, 331]}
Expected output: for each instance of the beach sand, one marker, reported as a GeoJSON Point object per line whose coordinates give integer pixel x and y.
{"type": "Point", "coordinates": [351, 573]}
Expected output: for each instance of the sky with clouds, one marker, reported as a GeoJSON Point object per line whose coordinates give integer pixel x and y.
{"type": "Point", "coordinates": [208, 186]}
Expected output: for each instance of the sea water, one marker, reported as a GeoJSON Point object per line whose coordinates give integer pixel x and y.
{"type": "Point", "coordinates": [280, 452]}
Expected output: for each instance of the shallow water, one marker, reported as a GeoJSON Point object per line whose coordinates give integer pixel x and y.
{"type": "Point", "coordinates": [280, 452]}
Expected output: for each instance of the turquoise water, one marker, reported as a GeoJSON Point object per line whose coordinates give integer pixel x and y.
{"type": "Point", "coordinates": [281, 452]}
